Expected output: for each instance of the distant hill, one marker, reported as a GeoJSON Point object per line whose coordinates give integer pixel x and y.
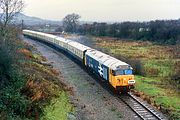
{"type": "Point", "coordinates": [31, 21]}
{"type": "Point", "coordinates": [28, 20]}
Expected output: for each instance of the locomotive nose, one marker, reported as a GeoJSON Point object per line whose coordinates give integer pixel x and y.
{"type": "Point", "coordinates": [125, 81]}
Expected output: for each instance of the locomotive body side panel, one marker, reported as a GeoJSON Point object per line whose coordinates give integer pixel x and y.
{"type": "Point", "coordinates": [97, 67]}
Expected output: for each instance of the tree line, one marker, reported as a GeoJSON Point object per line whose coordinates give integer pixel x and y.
{"type": "Point", "coordinates": [159, 31]}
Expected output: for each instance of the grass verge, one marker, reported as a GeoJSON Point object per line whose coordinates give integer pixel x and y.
{"type": "Point", "coordinates": [158, 95]}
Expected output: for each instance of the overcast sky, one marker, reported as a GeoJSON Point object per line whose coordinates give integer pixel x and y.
{"type": "Point", "coordinates": [105, 10]}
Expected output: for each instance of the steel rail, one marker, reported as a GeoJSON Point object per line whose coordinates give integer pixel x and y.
{"type": "Point", "coordinates": [142, 111]}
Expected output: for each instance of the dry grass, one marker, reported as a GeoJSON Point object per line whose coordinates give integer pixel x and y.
{"type": "Point", "coordinates": [138, 49]}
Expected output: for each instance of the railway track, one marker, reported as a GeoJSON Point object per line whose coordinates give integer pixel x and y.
{"type": "Point", "coordinates": [142, 110]}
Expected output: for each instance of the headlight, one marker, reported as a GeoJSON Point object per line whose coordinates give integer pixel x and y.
{"type": "Point", "coordinates": [131, 82]}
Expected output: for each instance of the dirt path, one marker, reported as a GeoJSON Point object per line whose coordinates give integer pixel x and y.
{"type": "Point", "coordinates": [92, 101]}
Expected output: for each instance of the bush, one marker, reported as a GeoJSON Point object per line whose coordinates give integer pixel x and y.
{"type": "Point", "coordinates": [137, 66]}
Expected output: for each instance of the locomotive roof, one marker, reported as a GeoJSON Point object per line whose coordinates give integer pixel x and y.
{"type": "Point", "coordinates": [107, 60]}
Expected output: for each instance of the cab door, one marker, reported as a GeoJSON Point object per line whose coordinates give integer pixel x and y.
{"type": "Point", "coordinates": [112, 78]}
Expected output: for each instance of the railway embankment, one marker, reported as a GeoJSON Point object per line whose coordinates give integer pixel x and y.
{"type": "Point", "coordinates": [157, 69]}
{"type": "Point", "coordinates": [30, 87]}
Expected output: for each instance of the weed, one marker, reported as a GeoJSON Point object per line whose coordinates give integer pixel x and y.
{"type": "Point", "coordinates": [113, 109]}
{"type": "Point", "coordinates": [119, 115]}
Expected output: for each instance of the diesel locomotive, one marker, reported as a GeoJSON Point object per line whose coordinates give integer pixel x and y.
{"type": "Point", "coordinates": [111, 70]}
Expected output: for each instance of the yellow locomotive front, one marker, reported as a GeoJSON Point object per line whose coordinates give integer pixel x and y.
{"type": "Point", "coordinates": [122, 79]}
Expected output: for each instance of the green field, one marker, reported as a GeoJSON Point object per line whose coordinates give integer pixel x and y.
{"type": "Point", "coordinates": [157, 70]}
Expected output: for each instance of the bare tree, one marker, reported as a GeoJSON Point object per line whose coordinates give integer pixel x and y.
{"type": "Point", "coordinates": [70, 22]}
{"type": "Point", "coordinates": [8, 9]}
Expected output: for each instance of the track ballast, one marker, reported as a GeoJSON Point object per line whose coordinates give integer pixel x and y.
{"type": "Point", "coordinates": [142, 110]}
